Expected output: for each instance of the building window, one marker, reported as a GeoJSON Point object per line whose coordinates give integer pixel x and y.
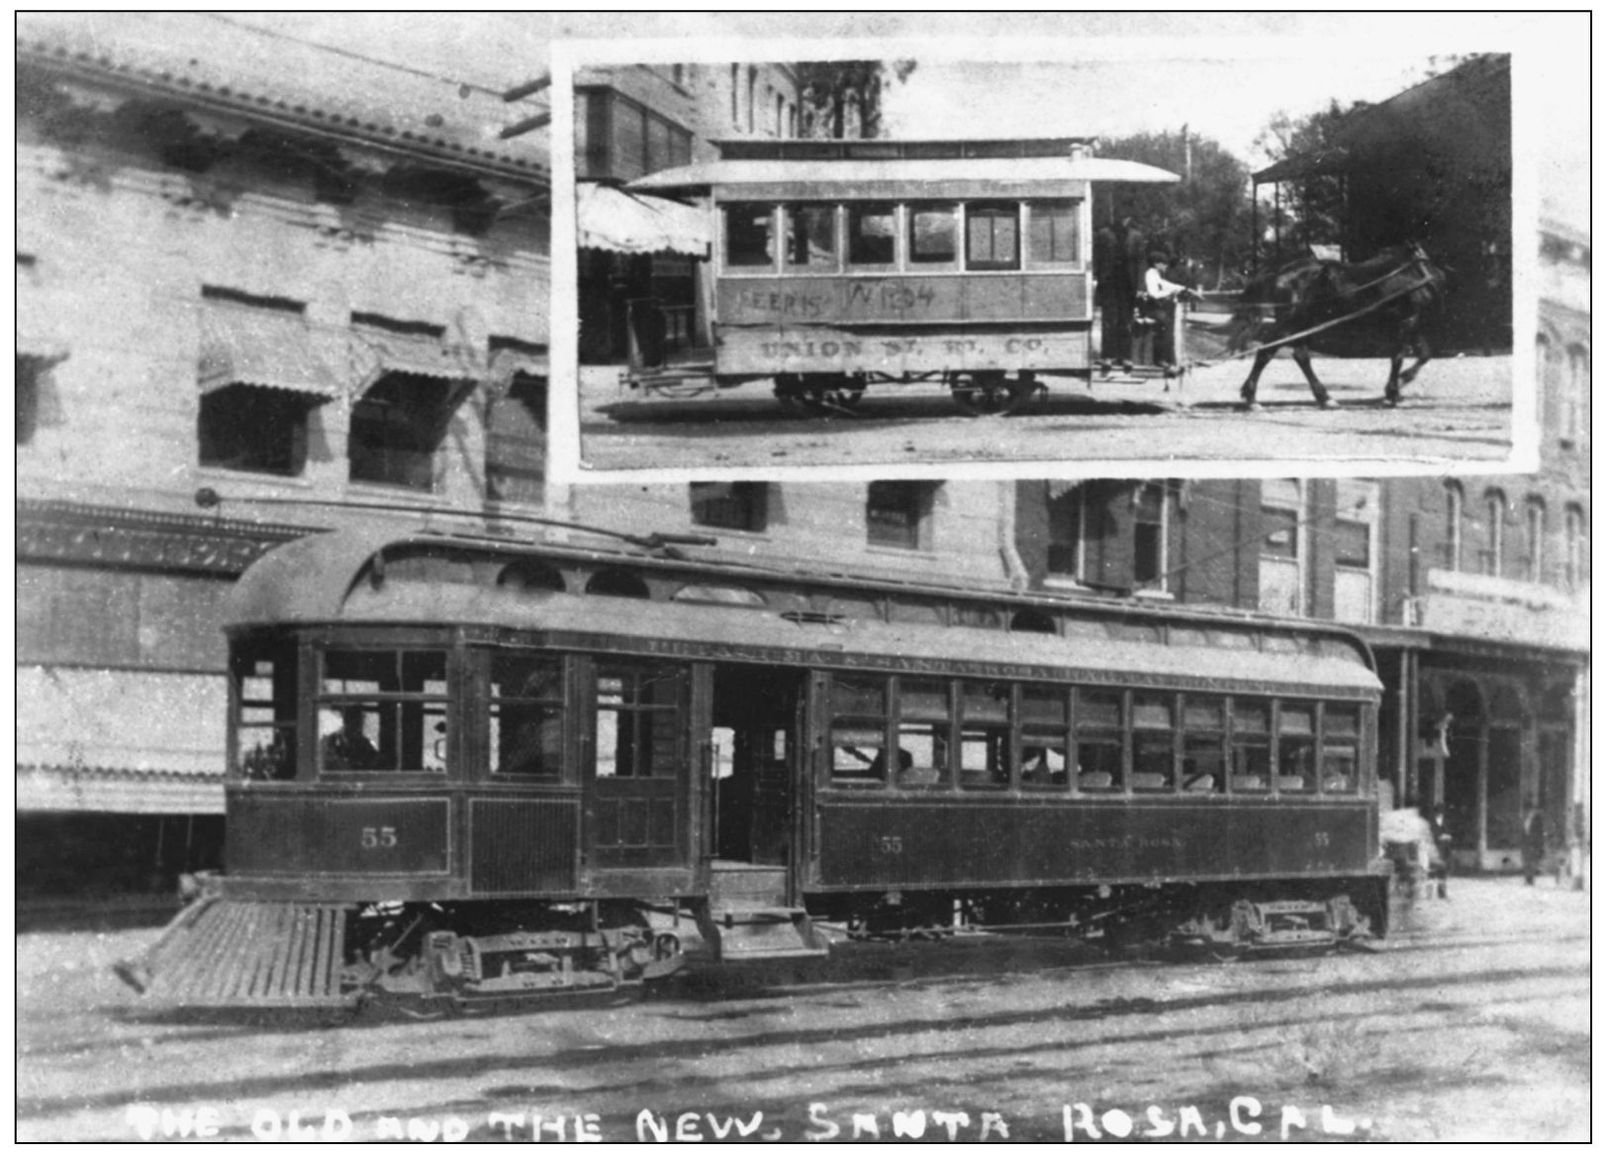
{"type": "Point", "coordinates": [1151, 540]}
{"type": "Point", "coordinates": [1576, 562]}
{"type": "Point", "coordinates": [37, 404]}
{"type": "Point", "coordinates": [397, 428]}
{"type": "Point", "coordinates": [1547, 372]}
{"type": "Point", "coordinates": [517, 427]}
{"type": "Point", "coordinates": [1493, 552]}
{"type": "Point", "coordinates": [1535, 540]}
{"type": "Point", "coordinates": [778, 122]}
{"type": "Point", "coordinates": [1065, 536]}
{"type": "Point", "coordinates": [1354, 552]}
{"type": "Point", "coordinates": [1282, 550]}
{"type": "Point", "coordinates": [898, 513]}
{"type": "Point", "coordinates": [733, 85]}
{"type": "Point", "coordinates": [750, 105]}
{"type": "Point", "coordinates": [1454, 518]}
{"type": "Point", "coordinates": [794, 121]}
{"type": "Point", "coordinates": [262, 374]}
{"type": "Point", "coordinates": [263, 431]}
{"type": "Point", "coordinates": [1575, 397]}
{"type": "Point", "coordinates": [992, 236]}
{"type": "Point", "coordinates": [728, 505]}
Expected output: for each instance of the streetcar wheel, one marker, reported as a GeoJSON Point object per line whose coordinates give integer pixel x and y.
{"type": "Point", "coordinates": [986, 393]}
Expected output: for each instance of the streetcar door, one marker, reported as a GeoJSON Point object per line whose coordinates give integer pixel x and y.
{"type": "Point", "coordinates": [754, 749]}
{"type": "Point", "coordinates": [638, 782]}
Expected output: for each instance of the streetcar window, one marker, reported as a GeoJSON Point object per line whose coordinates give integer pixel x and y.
{"type": "Point", "coordinates": [860, 713]}
{"type": "Point", "coordinates": [872, 234]}
{"type": "Point", "coordinates": [984, 735]}
{"type": "Point", "coordinates": [265, 721]}
{"type": "Point", "coordinates": [749, 236]}
{"type": "Point", "coordinates": [1295, 747]}
{"type": "Point", "coordinates": [924, 734]}
{"type": "Point", "coordinates": [383, 710]}
{"type": "Point", "coordinates": [1054, 233]}
{"type": "Point", "coordinates": [932, 237]}
{"type": "Point", "coordinates": [924, 750]}
{"type": "Point", "coordinates": [813, 237]}
{"type": "Point", "coordinates": [637, 723]}
{"type": "Point", "coordinates": [1340, 768]}
{"type": "Point", "coordinates": [992, 236]}
{"type": "Point", "coordinates": [1043, 738]}
{"type": "Point", "coordinates": [1152, 743]}
{"type": "Point", "coordinates": [1203, 751]}
{"type": "Point", "coordinates": [1102, 709]}
{"type": "Point", "coordinates": [1250, 745]}
{"type": "Point", "coordinates": [526, 725]}
{"type": "Point", "coordinates": [1099, 757]}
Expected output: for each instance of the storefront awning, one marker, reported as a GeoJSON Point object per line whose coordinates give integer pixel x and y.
{"type": "Point", "coordinates": [112, 740]}
{"type": "Point", "coordinates": [267, 350]}
{"type": "Point", "coordinates": [607, 218]}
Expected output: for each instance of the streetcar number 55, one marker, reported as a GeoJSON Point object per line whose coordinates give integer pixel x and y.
{"type": "Point", "coordinates": [374, 838]}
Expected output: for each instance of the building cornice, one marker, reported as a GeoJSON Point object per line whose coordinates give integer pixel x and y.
{"type": "Point", "coordinates": [76, 533]}
{"type": "Point", "coordinates": [303, 115]}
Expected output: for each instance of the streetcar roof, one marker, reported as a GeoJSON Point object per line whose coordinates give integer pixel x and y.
{"type": "Point", "coordinates": [927, 176]}
{"type": "Point", "coordinates": [333, 579]}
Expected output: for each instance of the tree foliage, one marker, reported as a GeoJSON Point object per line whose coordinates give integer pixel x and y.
{"type": "Point", "coordinates": [840, 98]}
{"type": "Point", "coordinates": [1205, 219]}
{"type": "Point", "coordinates": [1311, 208]}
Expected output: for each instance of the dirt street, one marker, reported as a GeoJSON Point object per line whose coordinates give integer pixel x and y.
{"type": "Point", "coordinates": [1472, 1023]}
{"type": "Point", "coordinates": [1457, 409]}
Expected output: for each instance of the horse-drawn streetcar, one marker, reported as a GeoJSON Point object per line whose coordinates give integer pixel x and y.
{"type": "Point", "coordinates": [837, 265]}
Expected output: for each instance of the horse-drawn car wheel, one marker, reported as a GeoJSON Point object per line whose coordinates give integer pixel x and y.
{"type": "Point", "coordinates": [990, 391]}
{"type": "Point", "coordinates": [830, 392]}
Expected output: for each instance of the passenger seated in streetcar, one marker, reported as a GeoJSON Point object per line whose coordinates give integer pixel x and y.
{"type": "Point", "coordinates": [269, 762]}
{"type": "Point", "coordinates": [349, 749]}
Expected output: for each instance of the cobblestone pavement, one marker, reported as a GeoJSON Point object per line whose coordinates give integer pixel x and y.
{"type": "Point", "coordinates": [1457, 409]}
{"type": "Point", "coordinates": [1471, 1023]}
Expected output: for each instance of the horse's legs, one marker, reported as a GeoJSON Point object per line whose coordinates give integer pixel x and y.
{"type": "Point", "coordinates": [1250, 387]}
{"type": "Point", "coordinates": [1300, 354]}
{"type": "Point", "coordinates": [1393, 378]}
{"type": "Point", "coordinates": [1423, 354]}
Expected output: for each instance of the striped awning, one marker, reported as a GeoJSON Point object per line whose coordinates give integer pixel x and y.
{"type": "Point", "coordinates": [267, 350]}
{"type": "Point", "coordinates": [420, 355]}
{"type": "Point", "coordinates": [607, 218]}
{"type": "Point", "coordinates": [115, 740]}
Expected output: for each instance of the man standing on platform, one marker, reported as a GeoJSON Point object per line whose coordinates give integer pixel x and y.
{"type": "Point", "coordinates": [1118, 261]}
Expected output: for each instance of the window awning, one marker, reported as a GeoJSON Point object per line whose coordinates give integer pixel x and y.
{"type": "Point", "coordinates": [508, 362]}
{"type": "Point", "coordinates": [39, 348]}
{"type": "Point", "coordinates": [416, 354]}
{"type": "Point", "coordinates": [267, 350]}
{"type": "Point", "coordinates": [607, 218]}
